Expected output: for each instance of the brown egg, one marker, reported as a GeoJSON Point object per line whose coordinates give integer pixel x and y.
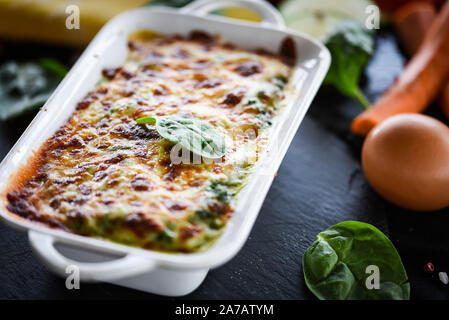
{"type": "Point", "coordinates": [406, 160]}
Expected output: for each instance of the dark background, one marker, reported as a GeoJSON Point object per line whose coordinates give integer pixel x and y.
{"type": "Point", "coordinates": [319, 184]}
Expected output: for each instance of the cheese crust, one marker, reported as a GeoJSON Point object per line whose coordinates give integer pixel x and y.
{"type": "Point", "coordinates": [104, 175]}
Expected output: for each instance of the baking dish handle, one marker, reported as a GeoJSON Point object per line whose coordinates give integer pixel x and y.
{"type": "Point", "coordinates": [126, 266]}
{"type": "Point", "coordinates": [267, 12]}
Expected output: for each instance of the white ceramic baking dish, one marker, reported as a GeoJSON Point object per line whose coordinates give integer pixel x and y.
{"type": "Point", "coordinates": [156, 272]}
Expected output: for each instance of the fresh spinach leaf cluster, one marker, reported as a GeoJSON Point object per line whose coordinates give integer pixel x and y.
{"type": "Point", "coordinates": [196, 135]}
{"type": "Point", "coordinates": [335, 265]}
{"type": "Point", "coordinates": [351, 45]}
{"type": "Point", "coordinates": [25, 86]}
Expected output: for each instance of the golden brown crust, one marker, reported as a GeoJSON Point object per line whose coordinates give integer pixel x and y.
{"type": "Point", "coordinates": [104, 175]}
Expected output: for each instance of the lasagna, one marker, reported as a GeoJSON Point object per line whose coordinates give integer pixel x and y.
{"type": "Point", "coordinates": [103, 174]}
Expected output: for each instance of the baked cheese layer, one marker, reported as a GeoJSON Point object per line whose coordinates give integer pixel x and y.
{"type": "Point", "coordinates": [104, 175]}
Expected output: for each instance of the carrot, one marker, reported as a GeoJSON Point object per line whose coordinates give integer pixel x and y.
{"type": "Point", "coordinates": [419, 83]}
{"type": "Point", "coordinates": [412, 21]}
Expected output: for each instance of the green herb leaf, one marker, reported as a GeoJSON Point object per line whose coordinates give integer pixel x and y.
{"type": "Point", "coordinates": [351, 46]}
{"type": "Point", "coordinates": [24, 87]}
{"type": "Point", "coordinates": [146, 120]}
{"type": "Point", "coordinates": [335, 265]}
{"type": "Point", "coordinates": [197, 136]}
{"type": "Point", "coordinates": [119, 148]}
{"type": "Point", "coordinates": [53, 66]}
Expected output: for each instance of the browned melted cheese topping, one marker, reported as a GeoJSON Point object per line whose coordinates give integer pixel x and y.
{"type": "Point", "coordinates": [103, 175]}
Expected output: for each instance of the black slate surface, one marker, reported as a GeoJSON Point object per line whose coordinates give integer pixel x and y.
{"type": "Point", "coordinates": [320, 183]}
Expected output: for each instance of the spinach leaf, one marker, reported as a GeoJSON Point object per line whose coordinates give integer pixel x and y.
{"type": "Point", "coordinates": [53, 66]}
{"type": "Point", "coordinates": [280, 81]}
{"type": "Point", "coordinates": [197, 136]}
{"type": "Point", "coordinates": [223, 190]}
{"type": "Point", "coordinates": [25, 86]}
{"type": "Point", "coordinates": [351, 46]}
{"type": "Point", "coordinates": [207, 217]}
{"type": "Point", "coordinates": [335, 265]}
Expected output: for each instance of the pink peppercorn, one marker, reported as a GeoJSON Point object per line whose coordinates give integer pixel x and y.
{"type": "Point", "coordinates": [429, 267]}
